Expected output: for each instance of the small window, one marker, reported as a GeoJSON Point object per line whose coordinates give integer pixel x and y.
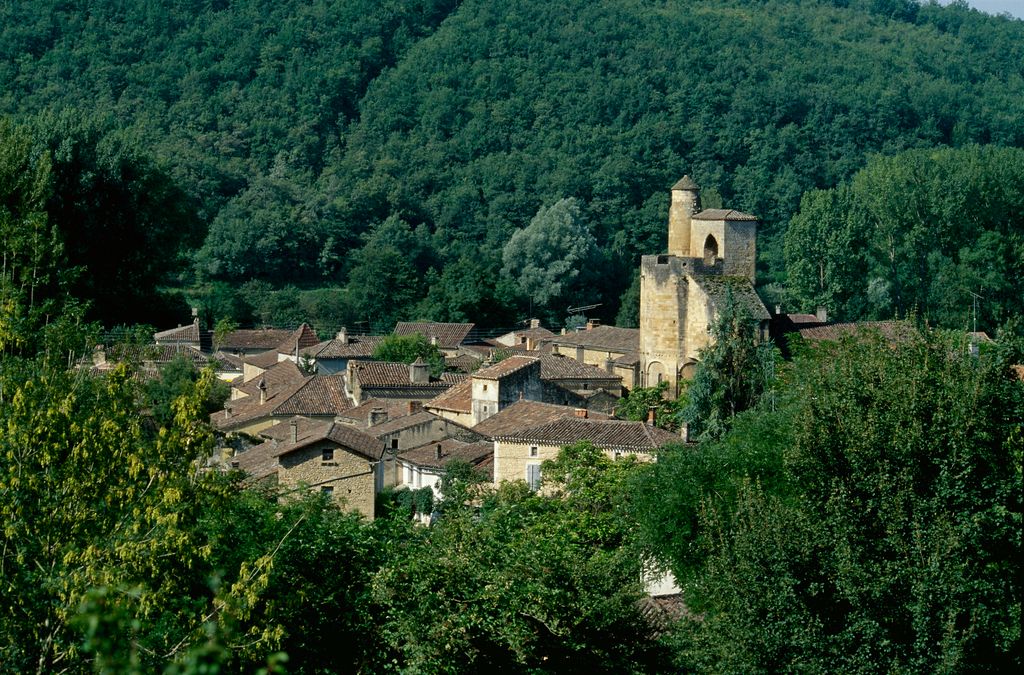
{"type": "Point", "coordinates": [533, 476]}
{"type": "Point", "coordinates": [328, 454]}
{"type": "Point", "coordinates": [485, 387]}
{"type": "Point", "coordinates": [533, 451]}
{"type": "Point", "coordinates": [327, 491]}
{"type": "Point", "coordinates": [394, 444]}
{"type": "Point", "coordinates": [485, 410]}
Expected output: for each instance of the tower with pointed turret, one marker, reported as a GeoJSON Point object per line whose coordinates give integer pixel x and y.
{"type": "Point", "coordinates": [711, 253]}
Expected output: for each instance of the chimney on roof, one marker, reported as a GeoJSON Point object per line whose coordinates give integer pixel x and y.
{"type": "Point", "coordinates": [433, 340]}
{"type": "Point", "coordinates": [651, 415]}
{"type": "Point", "coordinates": [534, 323]}
{"type": "Point", "coordinates": [377, 416]}
{"type": "Point", "coordinates": [342, 336]}
{"type": "Point", "coordinates": [778, 310]}
{"type": "Point", "coordinates": [437, 451]}
{"type": "Point", "coordinates": [593, 323]}
{"type": "Point", "coordinates": [580, 413]}
{"type": "Point", "coordinates": [295, 431]}
{"type": "Point", "coordinates": [227, 412]}
{"type": "Point", "coordinates": [563, 330]}
{"type": "Point", "coordinates": [419, 371]}
{"type": "Point", "coordinates": [822, 314]}
{"type": "Point", "coordinates": [195, 314]}
{"type": "Point", "coordinates": [609, 365]}
{"type": "Point", "coordinates": [531, 344]}
{"type": "Point", "coordinates": [415, 407]}
{"type": "Point", "coordinates": [262, 385]}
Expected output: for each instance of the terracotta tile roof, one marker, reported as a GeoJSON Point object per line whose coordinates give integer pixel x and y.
{"type": "Point", "coordinates": [244, 411]}
{"type": "Point", "coordinates": [722, 214]}
{"type": "Point", "coordinates": [157, 354]}
{"type": "Point", "coordinates": [319, 395]}
{"type": "Point", "coordinates": [282, 374]}
{"type": "Point", "coordinates": [463, 363]}
{"type": "Point", "coordinates": [1019, 371]}
{"type": "Point", "coordinates": [628, 359]}
{"type": "Point", "coordinates": [361, 412]}
{"type": "Point", "coordinates": [559, 367]}
{"type": "Point", "coordinates": [301, 338]}
{"type": "Point", "coordinates": [387, 374]}
{"type": "Point", "coordinates": [188, 334]}
{"type": "Point", "coordinates": [282, 431]}
{"type": "Point", "coordinates": [609, 338]}
{"type": "Point", "coordinates": [354, 347]}
{"type": "Point", "coordinates": [893, 331]}
{"type": "Point", "coordinates": [505, 367]}
{"type": "Point", "coordinates": [227, 361]}
{"type": "Point", "coordinates": [525, 415]}
{"type": "Point", "coordinates": [400, 423]}
{"type": "Point", "coordinates": [743, 293]}
{"type": "Point", "coordinates": [449, 335]}
{"type": "Point", "coordinates": [263, 359]}
{"type": "Point", "coordinates": [260, 338]}
{"type": "Point", "coordinates": [458, 398]}
{"type": "Point", "coordinates": [451, 448]}
{"type": "Point", "coordinates": [606, 434]}
{"type": "Point", "coordinates": [262, 460]}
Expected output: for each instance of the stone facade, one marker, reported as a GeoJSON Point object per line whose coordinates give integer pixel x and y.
{"type": "Point", "coordinates": [352, 479]}
{"type": "Point", "coordinates": [492, 394]}
{"type": "Point", "coordinates": [676, 308]}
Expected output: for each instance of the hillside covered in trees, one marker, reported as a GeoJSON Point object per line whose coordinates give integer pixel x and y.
{"type": "Point", "coordinates": [280, 161]}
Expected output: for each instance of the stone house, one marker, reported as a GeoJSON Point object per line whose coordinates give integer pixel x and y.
{"type": "Point", "coordinates": [287, 350]}
{"type": "Point", "coordinates": [527, 338]}
{"type": "Point", "coordinates": [387, 381]}
{"type": "Point", "coordinates": [336, 460]}
{"type": "Point", "coordinates": [455, 404]}
{"type": "Point", "coordinates": [332, 356]}
{"type": "Point", "coordinates": [280, 393]}
{"type": "Point", "coordinates": [248, 342]}
{"type": "Point", "coordinates": [448, 337]}
{"type": "Point", "coordinates": [423, 466]}
{"type": "Point", "coordinates": [609, 348]}
{"type": "Point", "coordinates": [518, 454]}
{"type": "Point", "coordinates": [711, 254]}
{"type": "Point", "coordinates": [410, 431]}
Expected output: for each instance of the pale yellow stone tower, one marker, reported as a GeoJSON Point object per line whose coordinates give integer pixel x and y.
{"type": "Point", "coordinates": [710, 253]}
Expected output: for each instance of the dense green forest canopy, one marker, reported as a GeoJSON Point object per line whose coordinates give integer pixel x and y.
{"type": "Point", "coordinates": [302, 134]}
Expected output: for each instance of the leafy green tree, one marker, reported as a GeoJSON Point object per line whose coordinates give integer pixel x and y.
{"type": "Point", "coordinates": [638, 404]}
{"type": "Point", "coordinates": [408, 348]}
{"type": "Point", "coordinates": [733, 373]}
{"type": "Point", "coordinates": [888, 540]}
{"type": "Point", "coordinates": [32, 247]}
{"type": "Point", "coordinates": [180, 378]}
{"type": "Point", "coordinates": [547, 256]}
{"type": "Point", "coordinates": [536, 583]}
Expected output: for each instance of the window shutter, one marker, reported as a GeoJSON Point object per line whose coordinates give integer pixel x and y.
{"type": "Point", "coordinates": [533, 476]}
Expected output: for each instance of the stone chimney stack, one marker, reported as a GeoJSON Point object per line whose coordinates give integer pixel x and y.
{"type": "Point", "coordinates": [593, 323]}
{"type": "Point", "coordinates": [342, 336]}
{"type": "Point", "coordinates": [377, 416]}
{"type": "Point", "coordinates": [419, 371]}
{"type": "Point", "coordinates": [262, 385]}
{"type": "Point", "coordinates": [580, 413]}
{"type": "Point", "coordinates": [534, 323]}
{"type": "Point", "coordinates": [295, 431]}
{"type": "Point", "coordinates": [685, 203]}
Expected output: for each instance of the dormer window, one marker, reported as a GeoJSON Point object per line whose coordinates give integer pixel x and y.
{"type": "Point", "coordinates": [327, 455]}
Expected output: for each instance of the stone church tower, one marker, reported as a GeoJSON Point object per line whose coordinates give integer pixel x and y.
{"type": "Point", "coordinates": [710, 253]}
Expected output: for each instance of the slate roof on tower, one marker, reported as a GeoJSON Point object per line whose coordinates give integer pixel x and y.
{"type": "Point", "coordinates": [722, 214]}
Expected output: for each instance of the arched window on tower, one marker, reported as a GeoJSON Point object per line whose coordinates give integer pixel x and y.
{"type": "Point", "coordinates": [710, 250]}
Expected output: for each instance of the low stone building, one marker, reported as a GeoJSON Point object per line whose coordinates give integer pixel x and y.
{"type": "Point", "coordinates": [518, 454]}
{"type": "Point", "coordinates": [423, 466]}
{"type": "Point", "coordinates": [332, 356]}
{"type": "Point", "coordinates": [388, 381]}
{"type": "Point", "coordinates": [334, 459]}
{"type": "Point", "coordinates": [609, 348]}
